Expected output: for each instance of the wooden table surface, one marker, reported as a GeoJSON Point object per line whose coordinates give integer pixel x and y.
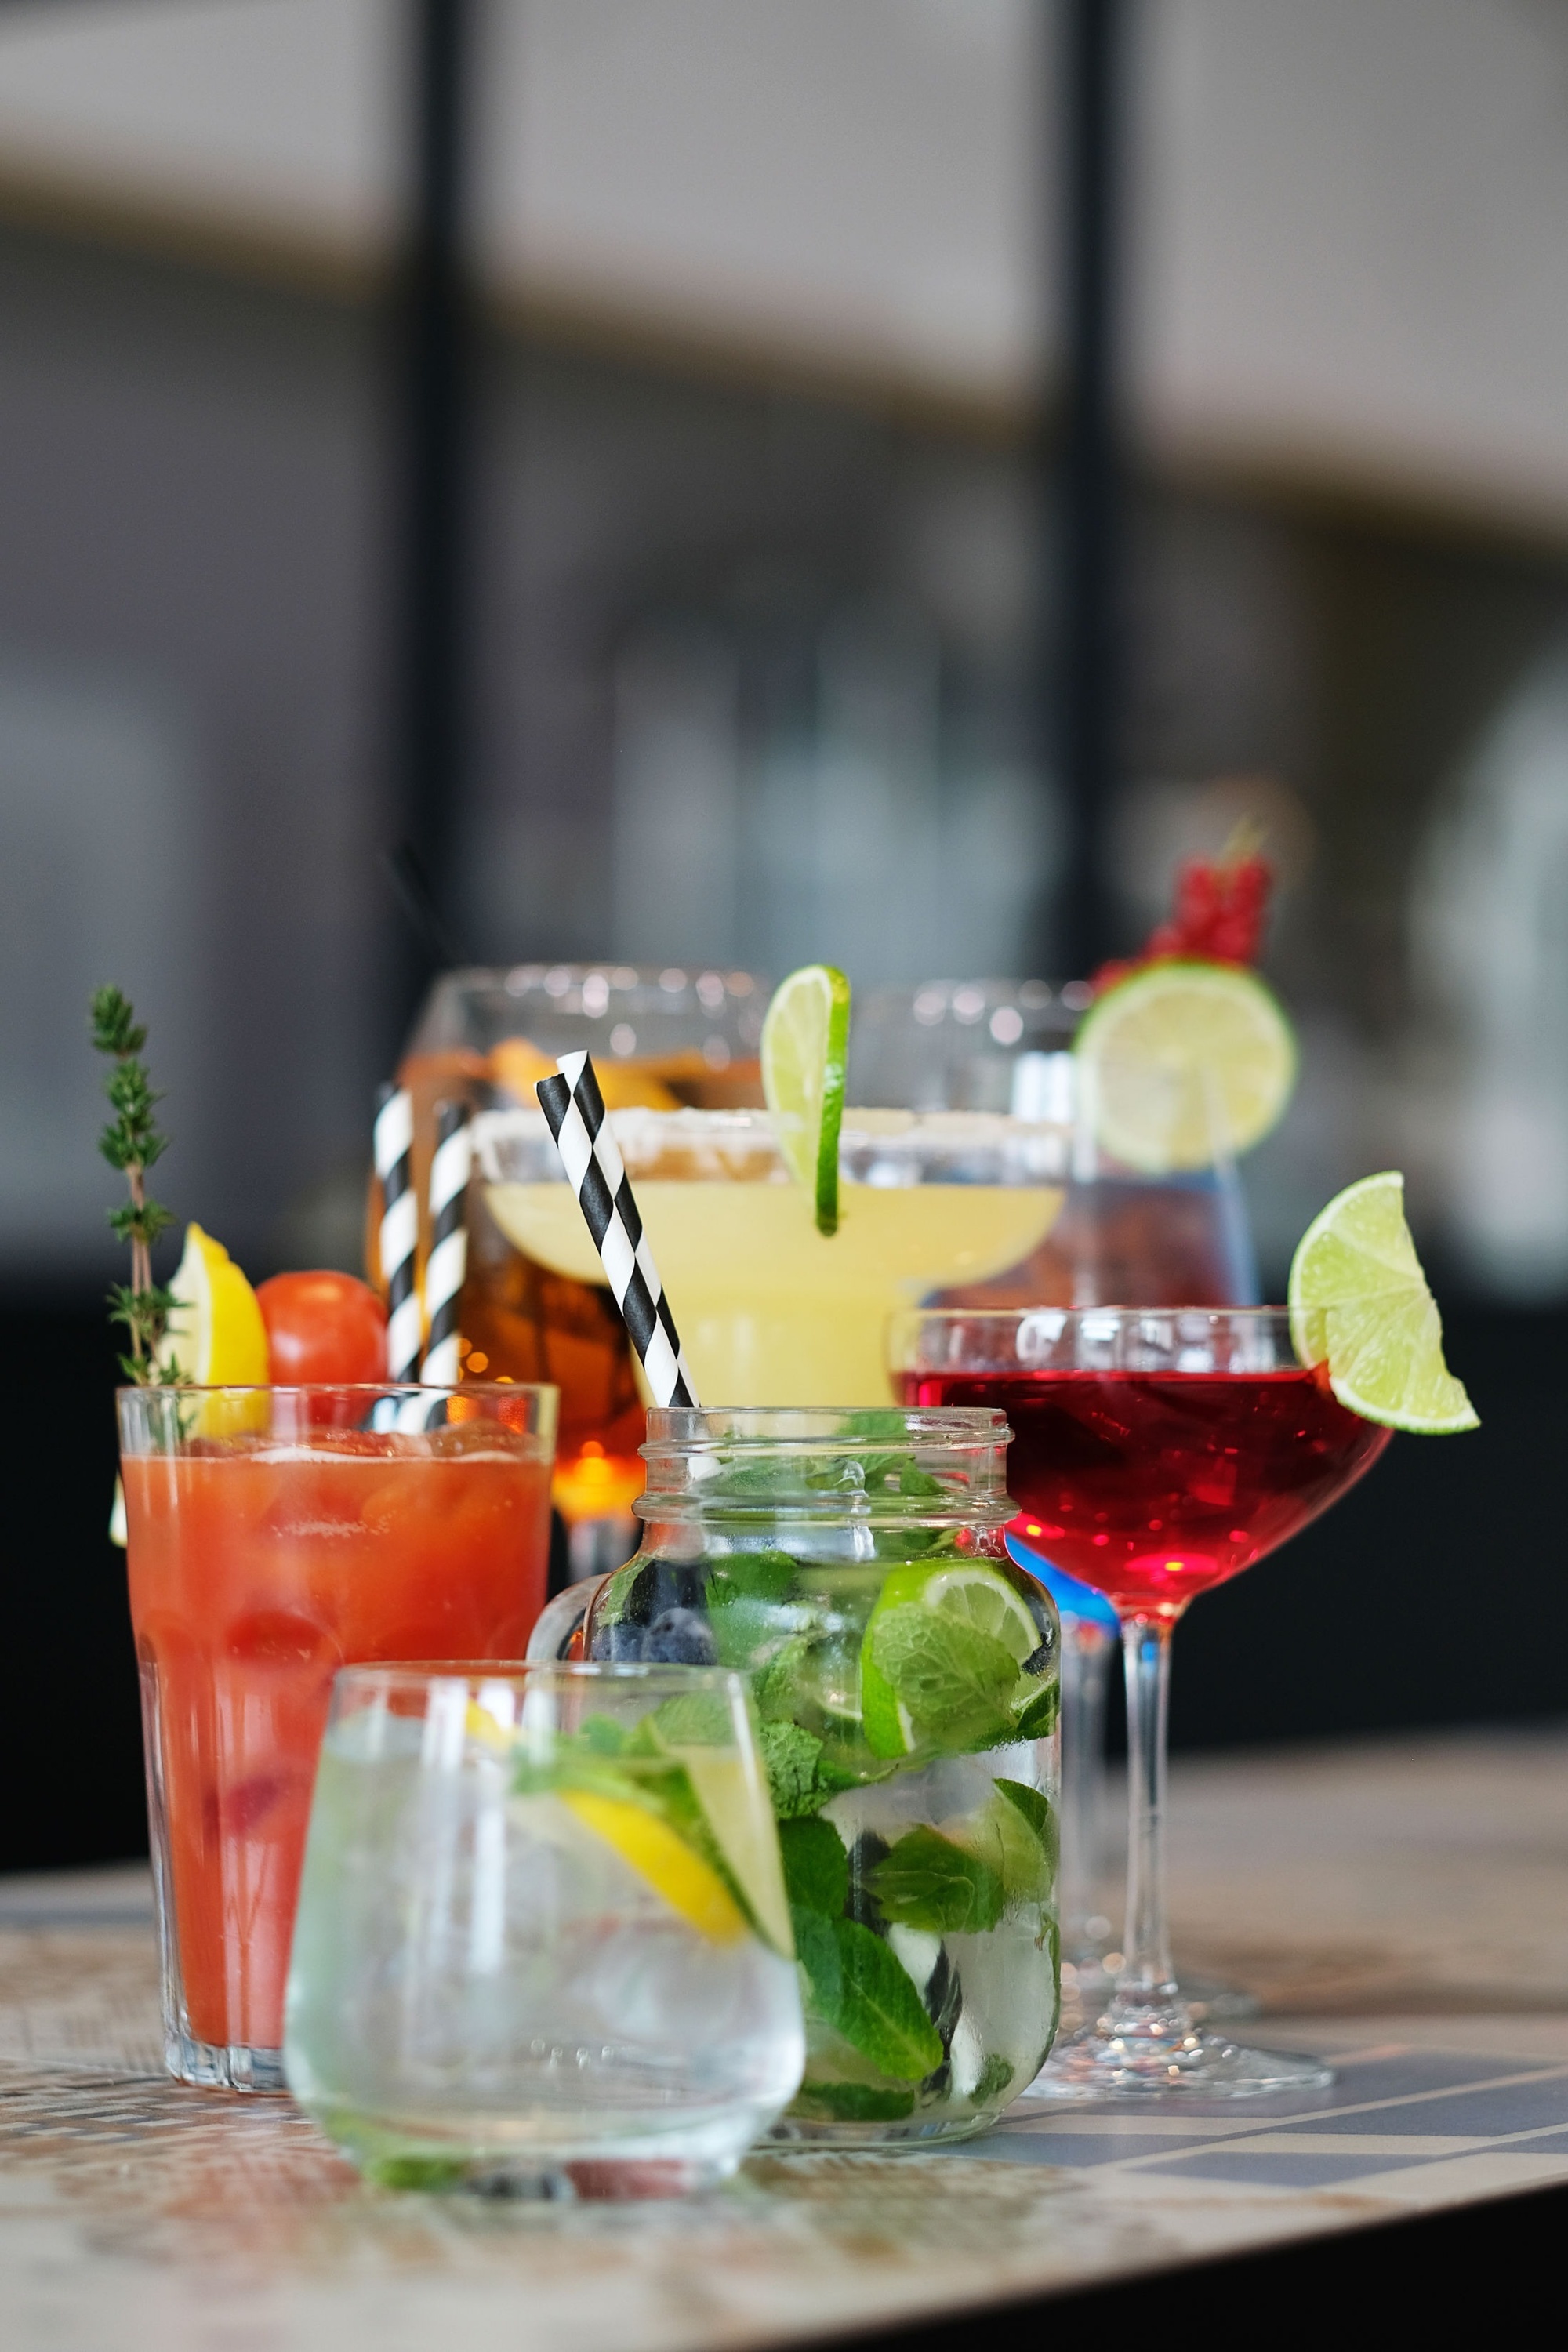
{"type": "Point", "coordinates": [1401, 1907]}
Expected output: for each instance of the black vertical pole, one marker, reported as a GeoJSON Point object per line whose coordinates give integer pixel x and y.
{"type": "Point", "coordinates": [1088, 665]}
{"type": "Point", "coordinates": [432, 746]}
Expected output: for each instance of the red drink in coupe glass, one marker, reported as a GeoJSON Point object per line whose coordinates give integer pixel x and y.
{"type": "Point", "coordinates": [1150, 1487]}
{"type": "Point", "coordinates": [1155, 1452]}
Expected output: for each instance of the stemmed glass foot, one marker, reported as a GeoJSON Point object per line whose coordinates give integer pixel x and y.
{"type": "Point", "coordinates": [1087, 1986]}
{"type": "Point", "coordinates": [1147, 2042]}
{"type": "Point", "coordinates": [1158, 2050]}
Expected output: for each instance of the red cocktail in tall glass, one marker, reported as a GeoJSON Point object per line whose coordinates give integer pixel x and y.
{"type": "Point", "coordinates": [1156, 1454]}
{"type": "Point", "coordinates": [275, 1534]}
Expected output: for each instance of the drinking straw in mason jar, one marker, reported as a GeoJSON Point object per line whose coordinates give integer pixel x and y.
{"type": "Point", "coordinates": [575, 1109]}
{"type": "Point", "coordinates": [399, 1230]}
{"type": "Point", "coordinates": [447, 1261]}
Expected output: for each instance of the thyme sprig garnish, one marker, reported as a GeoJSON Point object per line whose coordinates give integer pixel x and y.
{"type": "Point", "coordinates": [131, 1143]}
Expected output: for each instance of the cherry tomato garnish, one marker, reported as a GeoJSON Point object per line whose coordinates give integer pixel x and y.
{"type": "Point", "coordinates": [322, 1327]}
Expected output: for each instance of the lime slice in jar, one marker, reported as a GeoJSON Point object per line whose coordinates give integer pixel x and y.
{"type": "Point", "coordinates": [966, 1593]}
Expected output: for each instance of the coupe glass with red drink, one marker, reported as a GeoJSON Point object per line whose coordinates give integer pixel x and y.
{"type": "Point", "coordinates": [276, 1534]}
{"type": "Point", "coordinates": [1160, 1453]}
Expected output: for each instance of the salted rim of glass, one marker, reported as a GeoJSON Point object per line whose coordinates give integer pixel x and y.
{"type": "Point", "coordinates": [645, 1137]}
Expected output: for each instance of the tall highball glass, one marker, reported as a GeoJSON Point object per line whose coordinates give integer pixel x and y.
{"type": "Point", "coordinates": [276, 1534]}
{"type": "Point", "coordinates": [1160, 1453]}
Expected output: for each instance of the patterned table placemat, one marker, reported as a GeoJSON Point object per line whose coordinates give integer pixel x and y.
{"type": "Point", "coordinates": [162, 2220]}
{"type": "Point", "coordinates": [1426, 2127]}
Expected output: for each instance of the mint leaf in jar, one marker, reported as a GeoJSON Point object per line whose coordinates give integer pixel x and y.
{"type": "Point", "coordinates": [861, 1990]}
{"type": "Point", "coordinates": [816, 1866]}
{"type": "Point", "coordinates": [899, 1474]}
{"type": "Point", "coordinates": [853, 2103]}
{"type": "Point", "coordinates": [800, 1780]}
{"type": "Point", "coordinates": [928, 1882]}
{"type": "Point", "coordinates": [1037, 1716]}
{"type": "Point", "coordinates": [1032, 1804]}
{"type": "Point", "coordinates": [995, 2077]}
{"type": "Point", "coordinates": [1010, 1840]}
{"type": "Point", "coordinates": [953, 1680]}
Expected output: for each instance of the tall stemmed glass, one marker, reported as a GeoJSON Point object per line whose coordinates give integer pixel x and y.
{"type": "Point", "coordinates": [1161, 1452]}
{"type": "Point", "coordinates": [1172, 1237]}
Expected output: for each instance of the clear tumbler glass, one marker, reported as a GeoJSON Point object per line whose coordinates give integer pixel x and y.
{"type": "Point", "coordinates": [543, 1947]}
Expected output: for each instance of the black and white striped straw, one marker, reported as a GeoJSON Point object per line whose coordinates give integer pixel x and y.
{"type": "Point", "coordinates": [575, 1109]}
{"type": "Point", "coordinates": [449, 1260]}
{"type": "Point", "coordinates": [399, 1230]}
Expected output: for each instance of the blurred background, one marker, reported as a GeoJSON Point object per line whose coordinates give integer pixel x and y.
{"type": "Point", "coordinates": [740, 482]}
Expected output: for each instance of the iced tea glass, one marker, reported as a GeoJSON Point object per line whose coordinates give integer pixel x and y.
{"type": "Point", "coordinates": [275, 1535]}
{"type": "Point", "coordinates": [543, 1947]}
{"type": "Point", "coordinates": [662, 1038]}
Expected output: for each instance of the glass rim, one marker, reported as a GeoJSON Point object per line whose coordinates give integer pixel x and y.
{"type": "Point", "coordinates": [905, 1319]}
{"type": "Point", "coordinates": [923, 1342]}
{"type": "Point", "coordinates": [885, 1123]}
{"type": "Point", "coordinates": [523, 977]}
{"type": "Point", "coordinates": [672, 1427]}
{"type": "Point", "coordinates": [338, 1388]}
{"type": "Point", "coordinates": [421, 1673]}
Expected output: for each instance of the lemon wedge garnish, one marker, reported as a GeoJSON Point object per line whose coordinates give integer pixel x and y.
{"type": "Point", "coordinates": [651, 1848]}
{"type": "Point", "coordinates": [215, 1335]}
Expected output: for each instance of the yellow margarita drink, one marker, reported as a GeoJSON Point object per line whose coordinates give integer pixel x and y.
{"type": "Point", "coordinates": [772, 1311]}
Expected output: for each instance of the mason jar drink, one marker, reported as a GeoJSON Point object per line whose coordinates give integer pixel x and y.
{"type": "Point", "coordinates": [905, 1675]}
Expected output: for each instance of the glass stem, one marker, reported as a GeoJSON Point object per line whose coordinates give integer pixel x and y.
{"type": "Point", "coordinates": [1086, 1657]}
{"type": "Point", "coordinates": [1147, 1977]}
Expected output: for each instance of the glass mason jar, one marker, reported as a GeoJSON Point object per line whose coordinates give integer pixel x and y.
{"type": "Point", "coordinates": [905, 1673]}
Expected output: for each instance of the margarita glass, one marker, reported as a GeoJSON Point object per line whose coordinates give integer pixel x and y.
{"type": "Point", "coordinates": [1160, 1453]}
{"type": "Point", "coordinates": [771, 1312]}
{"type": "Point", "coordinates": [276, 1534]}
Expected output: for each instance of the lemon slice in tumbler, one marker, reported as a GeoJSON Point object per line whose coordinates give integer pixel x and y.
{"type": "Point", "coordinates": [1185, 1060]}
{"type": "Point", "coordinates": [804, 1049]}
{"type": "Point", "coordinates": [650, 1847]}
{"type": "Point", "coordinates": [738, 1816]}
{"type": "Point", "coordinates": [1359, 1303]}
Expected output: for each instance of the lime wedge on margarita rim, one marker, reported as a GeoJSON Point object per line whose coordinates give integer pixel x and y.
{"type": "Point", "coordinates": [1360, 1304]}
{"type": "Point", "coordinates": [804, 1050]}
{"type": "Point", "coordinates": [1185, 1061]}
